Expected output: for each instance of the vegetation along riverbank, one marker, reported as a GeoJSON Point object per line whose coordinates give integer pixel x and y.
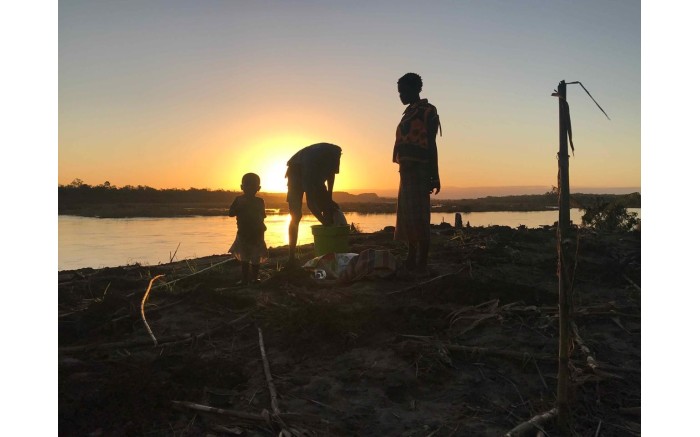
{"type": "Point", "coordinates": [109, 201]}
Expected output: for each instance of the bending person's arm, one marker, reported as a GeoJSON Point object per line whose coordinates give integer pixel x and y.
{"type": "Point", "coordinates": [330, 181]}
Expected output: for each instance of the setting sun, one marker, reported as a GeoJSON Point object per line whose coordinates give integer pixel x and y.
{"type": "Point", "coordinates": [272, 178]}
{"type": "Point", "coordinates": [267, 156]}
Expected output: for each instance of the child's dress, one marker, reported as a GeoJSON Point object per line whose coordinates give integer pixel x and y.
{"type": "Point", "coordinates": [250, 240]}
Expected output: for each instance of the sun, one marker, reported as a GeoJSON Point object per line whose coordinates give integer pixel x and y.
{"type": "Point", "coordinates": [272, 178]}
{"type": "Point", "coordinates": [267, 156]}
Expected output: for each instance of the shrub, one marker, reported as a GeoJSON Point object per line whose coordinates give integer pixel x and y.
{"type": "Point", "coordinates": [609, 216]}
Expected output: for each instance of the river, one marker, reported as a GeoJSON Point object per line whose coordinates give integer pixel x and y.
{"type": "Point", "coordinates": [102, 242]}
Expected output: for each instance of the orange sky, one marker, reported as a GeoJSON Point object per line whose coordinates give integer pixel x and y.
{"type": "Point", "coordinates": [201, 95]}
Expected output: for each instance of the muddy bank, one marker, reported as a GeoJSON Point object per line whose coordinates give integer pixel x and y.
{"type": "Point", "coordinates": [469, 351]}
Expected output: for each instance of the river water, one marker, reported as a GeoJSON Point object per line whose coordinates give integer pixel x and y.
{"type": "Point", "coordinates": [102, 242]}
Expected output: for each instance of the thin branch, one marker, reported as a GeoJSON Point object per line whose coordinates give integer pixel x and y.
{"type": "Point", "coordinates": [172, 256]}
{"type": "Point", "coordinates": [188, 276]}
{"type": "Point", "coordinates": [590, 360]}
{"type": "Point", "coordinates": [430, 281]}
{"type": "Point", "coordinates": [208, 409]}
{"type": "Point", "coordinates": [589, 95]}
{"type": "Point", "coordinates": [533, 425]}
{"type": "Point", "coordinates": [143, 314]}
{"type": "Point", "coordinates": [268, 375]}
{"type": "Point", "coordinates": [541, 377]}
{"type": "Point", "coordinates": [149, 310]}
{"type": "Point", "coordinates": [499, 352]}
{"type": "Point", "coordinates": [196, 273]}
{"type": "Point", "coordinates": [125, 344]}
{"type": "Point", "coordinates": [631, 282]}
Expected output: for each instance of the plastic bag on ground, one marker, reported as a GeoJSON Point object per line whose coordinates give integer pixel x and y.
{"type": "Point", "coordinates": [370, 263]}
{"type": "Point", "coordinates": [333, 264]}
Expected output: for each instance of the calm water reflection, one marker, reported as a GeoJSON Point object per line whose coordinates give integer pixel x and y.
{"type": "Point", "coordinates": [92, 242]}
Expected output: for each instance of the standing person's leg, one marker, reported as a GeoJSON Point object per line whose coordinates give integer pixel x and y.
{"type": "Point", "coordinates": [424, 212]}
{"type": "Point", "coordinates": [245, 272]}
{"type": "Point", "coordinates": [403, 213]}
{"type": "Point", "coordinates": [422, 263]}
{"type": "Point", "coordinates": [413, 213]}
{"type": "Point", "coordinates": [254, 271]}
{"type": "Point", "coordinates": [293, 231]}
{"type": "Point", "coordinates": [295, 194]}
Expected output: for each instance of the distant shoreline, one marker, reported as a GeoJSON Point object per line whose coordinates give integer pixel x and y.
{"type": "Point", "coordinates": [155, 203]}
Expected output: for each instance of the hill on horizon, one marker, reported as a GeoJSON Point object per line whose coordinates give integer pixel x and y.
{"type": "Point", "coordinates": [457, 193]}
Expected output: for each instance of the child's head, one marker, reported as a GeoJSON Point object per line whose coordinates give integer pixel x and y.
{"type": "Point", "coordinates": [250, 184]}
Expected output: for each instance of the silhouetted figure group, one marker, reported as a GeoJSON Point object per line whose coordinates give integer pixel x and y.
{"type": "Point", "coordinates": [311, 172]}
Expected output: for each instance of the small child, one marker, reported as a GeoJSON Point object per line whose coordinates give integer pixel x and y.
{"type": "Point", "coordinates": [249, 246]}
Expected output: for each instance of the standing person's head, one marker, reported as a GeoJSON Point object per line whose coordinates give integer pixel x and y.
{"type": "Point", "coordinates": [410, 86]}
{"type": "Point", "coordinates": [250, 184]}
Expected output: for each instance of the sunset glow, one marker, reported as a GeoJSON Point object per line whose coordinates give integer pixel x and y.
{"type": "Point", "coordinates": [203, 94]}
{"type": "Point", "coordinates": [273, 177]}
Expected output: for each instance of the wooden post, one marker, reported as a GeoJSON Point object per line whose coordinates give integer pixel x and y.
{"type": "Point", "coordinates": [564, 213]}
{"type": "Point", "coordinates": [563, 387]}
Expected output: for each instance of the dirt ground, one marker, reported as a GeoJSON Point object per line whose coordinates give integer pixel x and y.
{"type": "Point", "coordinates": [470, 351]}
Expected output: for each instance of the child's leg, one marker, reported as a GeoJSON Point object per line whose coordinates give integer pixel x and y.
{"type": "Point", "coordinates": [245, 272]}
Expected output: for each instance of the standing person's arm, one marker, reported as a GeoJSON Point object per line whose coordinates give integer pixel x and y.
{"type": "Point", "coordinates": [262, 214]}
{"type": "Point", "coordinates": [433, 124]}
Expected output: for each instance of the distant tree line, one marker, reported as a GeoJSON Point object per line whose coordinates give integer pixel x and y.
{"type": "Point", "coordinates": [79, 192]}
{"type": "Point", "coordinates": [538, 202]}
{"type": "Point", "coordinates": [107, 200]}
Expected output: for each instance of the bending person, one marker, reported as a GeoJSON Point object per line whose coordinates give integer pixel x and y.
{"type": "Point", "coordinates": [312, 171]}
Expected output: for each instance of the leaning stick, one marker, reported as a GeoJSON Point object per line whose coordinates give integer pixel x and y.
{"type": "Point", "coordinates": [197, 272]}
{"type": "Point", "coordinates": [533, 425]}
{"type": "Point", "coordinates": [525, 356]}
{"type": "Point", "coordinates": [187, 276]}
{"type": "Point", "coordinates": [208, 409]}
{"type": "Point", "coordinates": [590, 361]}
{"type": "Point", "coordinates": [223, 325]}
{"type": "Point", "coordinates": [143, 314]}
{"type": "Point", "coordinates": [632, 282]}
{"type": "Point", "coordinates": [268, 375]}
{"type": "Point", "coordinates": [499, 352]}
{"type": "Point", "coordinates": [430, 281]}
{"type": "Point", "coordinates": [124, 344]}
{"type": "Point", "coordinates": [150, 310]}
{"type": "Point", "coordinates": [263, 418]}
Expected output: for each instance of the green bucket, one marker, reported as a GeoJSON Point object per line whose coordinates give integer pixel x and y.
{"type": "Point", "coordinates": [330, 239]}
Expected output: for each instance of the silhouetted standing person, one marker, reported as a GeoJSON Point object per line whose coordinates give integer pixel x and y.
{"type": "Point", "coordinates": [312, 171]}
{"type": "Point", "coordinates": [415, 150]}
